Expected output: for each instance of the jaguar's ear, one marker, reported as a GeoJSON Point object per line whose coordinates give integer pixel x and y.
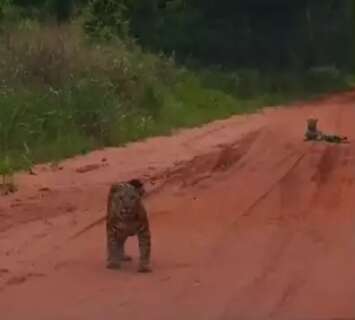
{"type": "Point", "coordinates": [114, 187]}
{"type": "Point", "coordinates": [138, 184]}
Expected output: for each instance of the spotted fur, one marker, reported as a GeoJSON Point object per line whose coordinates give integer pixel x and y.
{"type": "Point", "coordinates": [126, 217]}
{"type": "Point", "coordinates": [312, 133]}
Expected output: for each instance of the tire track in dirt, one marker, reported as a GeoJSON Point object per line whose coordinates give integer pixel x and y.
{"type": "Point", "coordinates": [246, 232]}
{"type": "Point", "coordinates": [190, 173]}
{"type": "Point", "coordinates": [327, 163]}
{"type": "Point", "coordinates": [275, 259]}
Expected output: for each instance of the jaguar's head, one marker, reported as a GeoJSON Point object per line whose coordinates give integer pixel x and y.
{"type": "Point", "coordinates": [312, 123]}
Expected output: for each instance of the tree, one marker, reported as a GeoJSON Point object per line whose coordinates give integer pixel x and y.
{"type": "Point", "coordinates": [62, 9]}
{"type": "Point", "coordinates": [107, 19]}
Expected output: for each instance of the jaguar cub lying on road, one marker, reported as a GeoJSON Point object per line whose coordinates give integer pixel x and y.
{"type": "Point", "coordinates": [312, 133]}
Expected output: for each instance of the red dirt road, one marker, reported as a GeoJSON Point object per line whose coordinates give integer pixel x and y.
{"type": "Point", "coordinates": [248, 222]}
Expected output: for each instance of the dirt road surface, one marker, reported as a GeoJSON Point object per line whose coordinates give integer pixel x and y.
{"type": "Point", "coordinates": [248, 222]}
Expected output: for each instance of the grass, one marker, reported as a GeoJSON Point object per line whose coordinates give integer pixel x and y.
{"type": "Point", "coordinates": [62, 95]}
{"type": "Point", "coordinates": [7, 184]}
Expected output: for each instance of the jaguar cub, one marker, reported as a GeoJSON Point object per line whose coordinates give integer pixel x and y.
{"type": "Point", "coordinates": [126, 217]}
{"type": "Point", "coordinates": [312, 133]}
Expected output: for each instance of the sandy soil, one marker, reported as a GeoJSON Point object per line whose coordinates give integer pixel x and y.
{"type": "Point", "coordinates": [248, 222]}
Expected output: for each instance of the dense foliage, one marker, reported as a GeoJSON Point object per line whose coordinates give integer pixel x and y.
{"type": "Point", "coordinates": [253, 33]}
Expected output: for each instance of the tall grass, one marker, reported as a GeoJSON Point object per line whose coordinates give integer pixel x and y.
{"type": "Point", "coordinates": [61, 94]}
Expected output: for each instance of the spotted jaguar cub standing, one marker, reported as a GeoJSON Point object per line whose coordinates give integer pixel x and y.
{"type": "Point", "coordinates": [126, 217]}
{"type": "Point", "coordinates": [312, 133]}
